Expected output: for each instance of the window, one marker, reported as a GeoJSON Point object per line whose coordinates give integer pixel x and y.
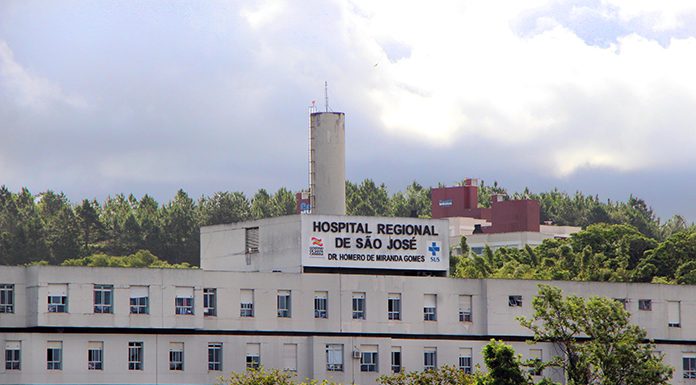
{"type": "Point", "coordinates": [689, 366]}
{"type": "Point", "coordinates": [183, 302]}
{"type": "Point", "coordinates": [13, 355]}
{"type": "Point", "coordinates": [622, 301]}
{"type": "Point", "coordinates": [645, 304]}
{"type": "Point", "coordinates": [445, 202]}
{"type": "Point", "coordinates": [334, 358]}
{"type": "Point", "coordinates": [358, 305]}
{"type": "Point", "coordinates": [253, 356]}
{"type": "Point", "coordinates": [465, 308]}
{"type": "Point", "coordinates": [215, 356]}
{"type": "Point", "coordinates": [54, 355]}
{"type": "Point", "coordinates": [284, 303]}
{"type": "Point", "coordinates": [139, 300]}
{"type": "Point", "coordinates": [57, 298]}
{"type": "Point", "coordinates": [290, 357]}
{"type": "Point", "coordinates": [515, 301]}
{"type": "Point", "coordinates": [368, 359]}
{"type": "Point", "coordinates": [321, 303]}
{"type": "Point", "coordinates": [535, 357]}
{"type": "Point", "coordinates": [396, 359]}
{"type": "Point", "coordinates": [209, 302]}
{"type": "Point", "coordinates": [246, 303]}
{"type": "Point", "coordinates": [103, 298]}
{"type": "Point", "coordinates": [430, 307]}
{"type": "Point", "coordinates": [95, 355]}
{"type": "Point", "coordinates": [6, 298]}
{"type": "Point", "coordinates": [673, 314]}
{"type": "Point", "coordinates": [465, 360]}
{"type": "Point", "coordinates": [176, 356]}
{"type": "Point", "coordinates": [135, 355]}
{"type": "Point", "coordinates": [252, 240]}
{"type": "Point", "coordinates": [394, 306]}
{"type": "Point", "coordinates": [430, 359]}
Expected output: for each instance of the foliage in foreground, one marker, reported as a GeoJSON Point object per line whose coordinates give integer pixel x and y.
{"type": "Point", "coordinates": [504, 368]}
{"type": "Point", "coordinates": [141, 258]}
{"type": "Point", "coordinates": [611, 352]}
{"type": "Point", "coordinates": [262, 376]}
{"type": "Point", "coordinates": [599, 345]}
{"type": "Point", "coordinates": [443, 375]}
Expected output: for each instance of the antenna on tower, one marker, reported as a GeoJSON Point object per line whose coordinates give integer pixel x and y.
{"type": "Point", "coordinates": [326, 96]}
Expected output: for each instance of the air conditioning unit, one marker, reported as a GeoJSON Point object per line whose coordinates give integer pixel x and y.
{"type": "Point", "coordinates": [356, 354]}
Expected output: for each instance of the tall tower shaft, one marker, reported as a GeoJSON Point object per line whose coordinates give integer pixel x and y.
{"type": "Point", "coordinates": [327, 163]}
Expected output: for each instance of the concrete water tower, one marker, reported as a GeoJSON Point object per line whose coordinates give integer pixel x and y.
{"type": "Point", "coordinates": [327, 163]}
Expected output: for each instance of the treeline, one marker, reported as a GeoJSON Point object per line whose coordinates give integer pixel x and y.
{"type": "Point", "coordinates": [559, 208]}
{"type": "Point", "coordinates": [48, 227]}
{"type": "Point", "coordinates": [601, 252]}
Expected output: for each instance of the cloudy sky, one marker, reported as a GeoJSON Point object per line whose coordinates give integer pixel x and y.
{"type": "Point", "coordinates": [98, 98]}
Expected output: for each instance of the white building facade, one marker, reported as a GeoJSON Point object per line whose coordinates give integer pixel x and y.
{"type": "Point", "coordinates": [76, 325]}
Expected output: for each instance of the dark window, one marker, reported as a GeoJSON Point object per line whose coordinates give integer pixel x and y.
{"type": "Point", "coordinates": [210, 302]}
{"type": "Point", "coordinates": [176, 356]}
{"type": "Point", "coordinates": [284, 310]}
{"type": "Point", "coordinates": [430, 359]}
{"type": "Point", "coordinates": [368, 361]}
{"type": "Point", "coordinates": [139, 300]}
{"type": "Point", "coordinates": [54, 356]}
{"type": "Point", "coordinates": [358, 305]}
{"type": "Point", "coordinates": [6, 298]}
{"type": "Point", "coordinates": [515, 300]}
{"type": "Point", "coordinates": [465, 364]}
{"type": "Point", "coordinates": [252, 240]}
{"type": "Point", "coordinates": [135, 355]}
{"type": "Point", "coordinates": [13, 355]}
{"type": "Point", "coordinates": [95, 356]}
{"type": "Point", "coordinates": [215, 356]}
{"type": "Point", "coordinates": [183, 303]}
{"type": "Point", "coordinates": [321, 303]}
{"type": "Point", "coordinates": [246, 304]}
{"type": "Point", "coordinates": [689, 367]}
{"type": "Point", "coordinates": [396, 361]}
{"type": "Point", "coordinates": [103, 298]}
{"type": "Point", "coordinates": [394, 307]}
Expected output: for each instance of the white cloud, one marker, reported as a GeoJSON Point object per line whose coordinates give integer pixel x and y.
{"type": "Point", "coordinates": [660, 15]}
{"type": "Point", "coordinates": [27, 89]}
{"type": "Point", "coordinates": [267, 12]}
{"type": "Point", "coordinates": [470, 74]}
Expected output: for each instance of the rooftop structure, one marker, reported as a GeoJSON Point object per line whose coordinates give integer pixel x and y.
{"type": "Point", "coordinates": [328, 243]}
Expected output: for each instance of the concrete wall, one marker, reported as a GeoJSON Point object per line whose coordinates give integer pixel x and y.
{"type": "Point", "coordinates": [491, 312]}
{"type": "Point", "coordinates": [477, 242]}
{"type": "Point", "coordinates": [559, 231]}
{"type": "Point", "coordinates": [223, 247]}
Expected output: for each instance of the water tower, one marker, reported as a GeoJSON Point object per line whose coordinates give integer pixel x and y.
{"type": "Point", "coordinates": [327, 163]}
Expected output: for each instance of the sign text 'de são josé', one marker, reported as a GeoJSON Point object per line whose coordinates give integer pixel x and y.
{"type": "Point", "coordinates": [374, 242]}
